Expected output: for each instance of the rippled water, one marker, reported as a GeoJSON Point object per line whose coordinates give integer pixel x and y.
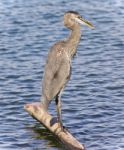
{"type": "Point", "coordinates": [93, 102]}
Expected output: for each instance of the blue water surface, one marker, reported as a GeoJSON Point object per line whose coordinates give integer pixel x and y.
{"type": "Point", "coordinates": [93, 101]}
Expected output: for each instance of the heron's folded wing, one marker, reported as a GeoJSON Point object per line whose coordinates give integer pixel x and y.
{"type": "Point", "coordinates": [57, 72]}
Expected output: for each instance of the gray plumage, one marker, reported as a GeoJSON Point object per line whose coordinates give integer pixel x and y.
{"type": "Point", "coordinates": [58, 66]}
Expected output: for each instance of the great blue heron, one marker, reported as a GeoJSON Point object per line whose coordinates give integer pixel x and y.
{"type": "Point", "coordinates": [58, 66]}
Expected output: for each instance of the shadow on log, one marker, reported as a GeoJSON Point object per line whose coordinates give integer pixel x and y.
{"type": "Point", "coordinates": [37, 112]}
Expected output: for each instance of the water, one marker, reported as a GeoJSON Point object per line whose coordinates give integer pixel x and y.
{"type": "Point", "coordinates": [93, 102]}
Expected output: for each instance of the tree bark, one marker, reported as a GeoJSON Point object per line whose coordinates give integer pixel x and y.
{"type": "Point", "coordinates": [38, 113]}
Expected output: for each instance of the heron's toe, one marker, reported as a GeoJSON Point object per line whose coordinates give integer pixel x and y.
{"type": "Point", "coordinates": [53, 121]}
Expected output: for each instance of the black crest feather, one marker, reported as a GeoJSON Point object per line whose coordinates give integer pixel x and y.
{"type": "Point", "coordinates": [73, 12]}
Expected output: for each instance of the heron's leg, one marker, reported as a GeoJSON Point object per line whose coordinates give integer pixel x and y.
{"type": "Point", "coordinates": [45, 103]}
{"type": "Point", "coordinates": [58, 106]}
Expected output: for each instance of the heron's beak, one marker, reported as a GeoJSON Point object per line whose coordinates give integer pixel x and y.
{"type": "Point", "coordinates": [84, 22]}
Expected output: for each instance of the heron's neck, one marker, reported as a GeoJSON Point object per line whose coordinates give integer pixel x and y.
{"type": "Point", "coordinates": [73, 40]}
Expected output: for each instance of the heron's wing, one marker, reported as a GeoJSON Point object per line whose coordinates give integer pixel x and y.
{"type": "Point", "coordinates": [57, 71]}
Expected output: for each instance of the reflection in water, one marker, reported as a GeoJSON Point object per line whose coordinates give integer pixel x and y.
{"type": "Point", "coordinates": [41, 133]}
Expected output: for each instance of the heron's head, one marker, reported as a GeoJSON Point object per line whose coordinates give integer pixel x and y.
{"type": "Point", "coordinates": [72, 18]}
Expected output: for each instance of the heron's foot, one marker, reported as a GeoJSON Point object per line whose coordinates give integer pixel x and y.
{"type": "Point", "coordinates": [53, 121]}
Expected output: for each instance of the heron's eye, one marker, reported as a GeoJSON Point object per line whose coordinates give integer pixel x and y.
{"type": "Point", "coordinates": [71, 19]}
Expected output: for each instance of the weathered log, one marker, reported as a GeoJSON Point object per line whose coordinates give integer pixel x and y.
{"type": "Point", "coordinates": [38, 113]}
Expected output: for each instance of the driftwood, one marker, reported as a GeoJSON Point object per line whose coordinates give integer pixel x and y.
{"type": "Point", "coordinates": [37, 112]}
